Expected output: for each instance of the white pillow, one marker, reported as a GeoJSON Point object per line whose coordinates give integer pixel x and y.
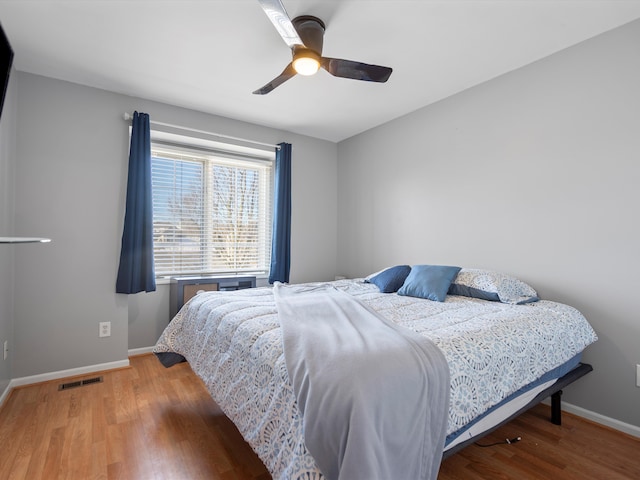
{"type": "Point", "coordinates": [493, 286]}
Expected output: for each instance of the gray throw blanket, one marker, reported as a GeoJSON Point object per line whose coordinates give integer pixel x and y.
{"type": "Point", "coordinates": [374, 396]}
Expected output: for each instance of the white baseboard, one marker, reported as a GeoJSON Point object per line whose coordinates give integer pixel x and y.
{"type": "Point", "coordinates": [140, 351]}
{"type": "Point", "coordinates": [597, 418]}
{"type": "Point", "coordinates": [4, 394]}
{"type": "Point", "coordinates": [601, 419]}
{"type": "Point", "coordinates": [72, 372]}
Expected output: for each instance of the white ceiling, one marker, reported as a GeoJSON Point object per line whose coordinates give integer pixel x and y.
{"type": "Point", "coordinates": [210, 55]}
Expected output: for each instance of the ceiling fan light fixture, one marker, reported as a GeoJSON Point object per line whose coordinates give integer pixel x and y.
{"type": "Point", "coordinates": [306, 62]}
{"type": "Point", "coordinates": [304, 35]}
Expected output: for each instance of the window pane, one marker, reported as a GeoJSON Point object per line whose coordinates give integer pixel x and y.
{"type": "Point", "coordinates": [235, 218]}
{"type": "Point", "coordinates": [211, 214]}
{"type": "Point", "coordinates": [178, 215]}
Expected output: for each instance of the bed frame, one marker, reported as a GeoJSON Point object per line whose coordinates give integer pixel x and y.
{"type": "Point", "coordinates": [554, 391]}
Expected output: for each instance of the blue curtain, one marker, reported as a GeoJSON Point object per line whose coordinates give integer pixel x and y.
{"type": "Point", "coordinates": [281, 236]}
{"type": "Point", "coordinates": [136, 272]}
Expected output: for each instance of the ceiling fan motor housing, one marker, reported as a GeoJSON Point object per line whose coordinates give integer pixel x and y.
{"type": "Point", "coordinates": [311, 31]}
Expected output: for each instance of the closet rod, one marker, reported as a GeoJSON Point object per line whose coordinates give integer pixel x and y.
{"type": "Point", "coordinates": [127, 116]}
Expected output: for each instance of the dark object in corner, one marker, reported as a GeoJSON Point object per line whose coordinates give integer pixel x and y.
{"type": "Point", "coordinates": [6, 61]}
{"type": "Point", "coordinates": [169, 359]}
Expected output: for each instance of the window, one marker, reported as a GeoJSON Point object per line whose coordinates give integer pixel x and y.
{"type": "Point", "coordinates": [211, 210]}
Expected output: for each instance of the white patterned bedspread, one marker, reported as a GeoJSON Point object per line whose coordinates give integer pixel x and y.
{"type": "Point", "coordinates": [232, 340]}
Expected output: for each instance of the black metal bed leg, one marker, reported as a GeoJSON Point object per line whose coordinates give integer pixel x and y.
{"type": "Point", "coordinates": [556, 411]}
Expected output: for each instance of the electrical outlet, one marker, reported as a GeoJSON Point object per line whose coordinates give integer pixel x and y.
{"type": "Point", "coordinates": [6, 349]}
{"type": "Point", "coordinates": [105, 329]}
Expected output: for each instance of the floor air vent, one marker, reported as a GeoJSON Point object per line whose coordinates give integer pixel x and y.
{"type": "Point", "coordinates": [79, 383]}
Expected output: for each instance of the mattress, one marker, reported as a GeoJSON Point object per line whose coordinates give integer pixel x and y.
{"type": "Point", "coordinates": [510, 405]}
{"type": "Point", "coordinates": [233, 342]}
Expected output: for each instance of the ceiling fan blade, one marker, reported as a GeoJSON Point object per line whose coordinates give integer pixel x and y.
{"type": "Point", "coordinates": [278, 16]}
{"type": "Point", "coordinates": [356, 70]}
{"type": "Point", "coordinates": [286, 74]}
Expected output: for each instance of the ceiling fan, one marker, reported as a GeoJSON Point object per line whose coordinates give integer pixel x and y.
{"type": "Point", "coordinates": [304, 35]}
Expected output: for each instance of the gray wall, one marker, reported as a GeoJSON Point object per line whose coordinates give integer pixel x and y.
{"type": "Point", "coordinates": [72, 148]}
{"type": "Point", "coordinates": [7, 161]}
{"type": "Point", "coordinates": [534, 173]}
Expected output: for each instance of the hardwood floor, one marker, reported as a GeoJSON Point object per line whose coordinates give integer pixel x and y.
{"type": "Point", "coordinates": [141, 423]}
{"type": "Point", "coordinates": [150, 423]}
{"type": "Point", "coordinates": [579, 449]}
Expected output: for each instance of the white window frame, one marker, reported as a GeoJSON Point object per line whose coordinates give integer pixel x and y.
{"type": "Point", "coordinates": [232, 155]}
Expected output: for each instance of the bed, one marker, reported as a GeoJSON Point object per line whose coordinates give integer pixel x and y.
{"type": "Point", "coordinates": [505, 350]}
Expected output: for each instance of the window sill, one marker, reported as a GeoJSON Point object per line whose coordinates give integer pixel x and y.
{"type": "Point", "coordinates": [167, 280]}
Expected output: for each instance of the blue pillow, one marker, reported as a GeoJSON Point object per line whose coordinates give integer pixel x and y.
{"type": "Point", "coordinates": [391, 279]}
{"type": "Point", "coordinates": [429, 281]}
